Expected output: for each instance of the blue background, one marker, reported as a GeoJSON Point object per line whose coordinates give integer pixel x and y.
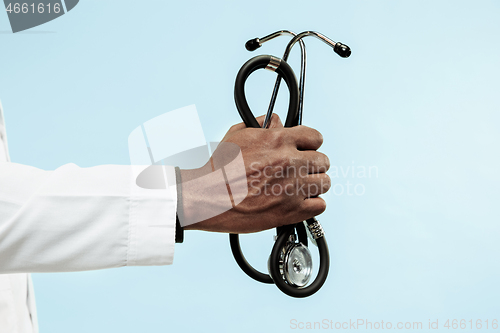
{"type": "Point", "coordinates": [418, 99]}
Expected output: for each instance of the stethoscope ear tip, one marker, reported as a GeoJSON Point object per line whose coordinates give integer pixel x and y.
{"type": "Point", "coordinates": [342, 50]}
{"type": "Point", "coordinates": [253, 44]}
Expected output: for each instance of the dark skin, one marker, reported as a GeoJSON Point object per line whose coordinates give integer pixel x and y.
{"type": "Point", "coordinates": [284, 175]}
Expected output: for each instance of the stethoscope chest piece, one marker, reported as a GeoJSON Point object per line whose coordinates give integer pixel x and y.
{"type": "Point", "coordinates": [295, 263]}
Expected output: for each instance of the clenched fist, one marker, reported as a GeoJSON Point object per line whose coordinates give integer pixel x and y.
{"type": "Point", "coordinates": [257, 179]}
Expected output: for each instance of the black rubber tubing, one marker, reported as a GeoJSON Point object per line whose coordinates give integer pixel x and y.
{"type": "Point", "coordinates": [285, 71]}
{"type": "Point", "coordinates": [234, 241]}
{"type": "Point", "coordinates": [243, 263]}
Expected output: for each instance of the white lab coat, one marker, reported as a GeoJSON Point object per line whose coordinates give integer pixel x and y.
{"type": "Point", "coordinates": [74, 219]}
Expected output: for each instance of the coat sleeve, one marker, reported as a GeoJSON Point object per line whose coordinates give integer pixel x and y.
{"type": "Point", "coordinates": [74, 219]}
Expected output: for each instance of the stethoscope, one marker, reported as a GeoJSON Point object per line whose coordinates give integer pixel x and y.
{"type": "Point", "coordinates": [290, 262]}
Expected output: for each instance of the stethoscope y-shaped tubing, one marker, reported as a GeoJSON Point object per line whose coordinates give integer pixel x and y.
{"type": "Point", "coordinates": [339, 48]}
{"type": "Point", "coordinates": [256, 43]}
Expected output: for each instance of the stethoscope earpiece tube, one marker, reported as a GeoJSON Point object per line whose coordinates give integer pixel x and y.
{"type": "Point", "coordinates": [284, 70]}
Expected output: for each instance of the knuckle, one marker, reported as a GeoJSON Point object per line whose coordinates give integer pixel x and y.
{"type": "Point", "coordinates": [319, 162]}
{"type": "Point", "coordinates": [276, 118]}
{"type": "Point", "coordinates": [321, 206]}
{"type": "Point", "coordinates": [318, 137]}
{"type": "Point", "coordinates": [285, 162]}
{"type": "Point", "coordinates": [253, 134]}
{"type": "Point", "coordinates": [277, 136]}
{"type": "Point", "coordinates": [314, 136]}
{"type": "Point", "coordinates": [234, 127]}
{"type": "Point", "coordinates": [317, 208]}
{"type": "Point", "coordinates": [326, 162]}
{"type": "Point", "coordinates": [326, 183]}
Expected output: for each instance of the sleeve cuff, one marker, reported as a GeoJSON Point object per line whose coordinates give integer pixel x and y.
{"type": "Point", "coordinates": [179, 230]}
{"type": "Point", "coordinates": [152, 220]}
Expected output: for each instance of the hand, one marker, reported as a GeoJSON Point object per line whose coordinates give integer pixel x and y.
{"type": "Point", "coordinates": [281, 170]}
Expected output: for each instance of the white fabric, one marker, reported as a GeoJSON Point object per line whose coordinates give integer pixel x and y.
{"type": "Point", "coordinates": [74, 219]}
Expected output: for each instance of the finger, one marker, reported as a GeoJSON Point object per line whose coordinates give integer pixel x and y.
{"type": "Point", "coordinates": [260, 120]}
{"type": "Point", "coordinates": [240, 126]}
{"type": "Point", "coordinates": [314, 185]}
{"type": "Point", "coordinates": [312, 207]}
{"type": "Point", "coordinates": [275, 121]}
{"type": "Point", "coordinates": [236, 127]}
{"type": "Point", "coordinates": [306, 138]}
{"type": "Point", "coordinates": [313, 162]}
{"type": "Point", "coordinates": [233, 129]}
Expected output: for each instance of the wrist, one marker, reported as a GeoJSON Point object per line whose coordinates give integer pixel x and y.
{"type": "Point", "coordinates": [204, 197]}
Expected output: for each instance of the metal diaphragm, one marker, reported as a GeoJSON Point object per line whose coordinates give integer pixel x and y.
{"type": "Point", "coordinates": [297, 268]}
